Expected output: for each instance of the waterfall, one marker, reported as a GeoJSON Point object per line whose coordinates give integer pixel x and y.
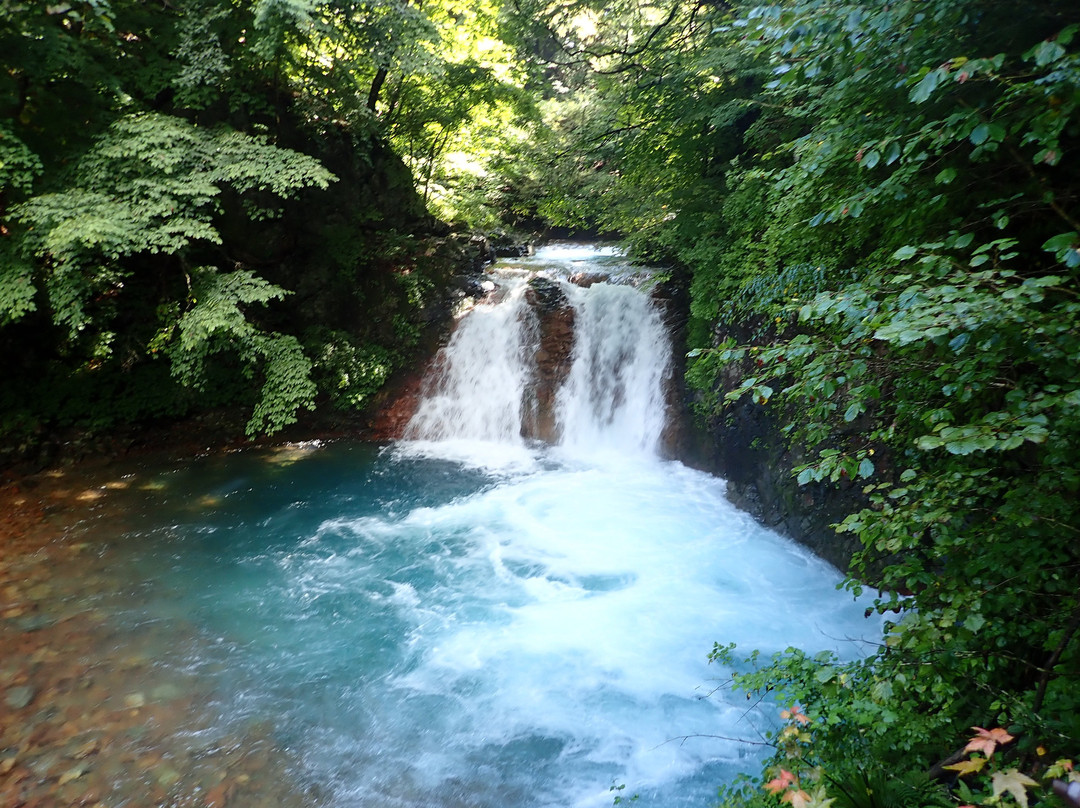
{"type": "Point", "coordinates": [610, 398]}
{"type": "Point", "coordinates": [480, 377]}
{"type": "Point", "coordinates": [473, 618]}
{"type": "Point", "coordinates": [614, 397]}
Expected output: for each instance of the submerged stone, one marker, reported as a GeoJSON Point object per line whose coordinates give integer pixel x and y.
{"type": "Point", "coordinates": [165, 692]}
{"type": "Point", "coordinates": [33, 622]}
{"type": "Point", "coordinates": [19, 697]}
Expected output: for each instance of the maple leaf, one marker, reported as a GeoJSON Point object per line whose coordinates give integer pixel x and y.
{"type": "Point", "coordinates": [1013, 781]}
{"type": "Point", "coordinates": [796, 714]}
{"type": "Point", "coordinates": [967, 766]}
{"type": "Point", "coordinates": [798, 799]}
{"type": "Point", "coordinates": [987, 740]}
{"type": "Point", "coordinates": [817, 800]}
{"type": "Point", "coordinates": [778, 784]}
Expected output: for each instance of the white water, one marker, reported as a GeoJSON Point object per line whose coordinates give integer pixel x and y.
{"type": "Point", "coordinates": [563, 650]}
{"type": "Point", "coordinates": [613, 399]}
{"type": "Point", "coordinates": [481, 376]}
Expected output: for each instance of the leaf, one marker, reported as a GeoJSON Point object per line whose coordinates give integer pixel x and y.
{"type": "Point", "coordinates": [904, 253]}
{"type": "Point", "coordinates": [967, 766]}
{"type": "Point", "coordinates": [1046, 52]}
{"type": "Point", "coordinates": [925, 88]}
{"type": "Point", "coordinates": [780, 783]}
{"type": "Point", "coordinates": [979, 134]}
{"type": "Point", "coordinates": [797, 799]}
{"type": "Point", "coordinates": [974, 621]}
{"type": "Point", "coordinates": [1061, 242]}
{"type": "Point", "coordinates": [882, 691]}
{"type": "Point", "coordinates": [817, 800]}
{"type": "Point", "coordinates": [945, 176]}
{"type": "Point", "coordinates": [1013, 781]}
{"type": "Point", "coordinates": [1049, 156]}
{"type": "Point", "coordinates": [987, 740]}
{"type": "Point", "coordinates": [825, 675]}
{"type": "Point", "coordinates": [927, 442]}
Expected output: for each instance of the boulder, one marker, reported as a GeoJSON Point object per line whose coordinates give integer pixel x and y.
{"type": "Point", "coordinates": [552, 357]}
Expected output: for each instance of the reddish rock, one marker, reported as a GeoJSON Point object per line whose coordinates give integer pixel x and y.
{"type": "Point", "coordinates": [552, 358]}
{"type": "Point", "coordinates": [218, 796]}
{"type": "Point", "coordinates": [395, 409]}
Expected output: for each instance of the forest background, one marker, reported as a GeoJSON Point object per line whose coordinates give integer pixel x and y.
{"type": "Point", "coordinates": [207, 203]}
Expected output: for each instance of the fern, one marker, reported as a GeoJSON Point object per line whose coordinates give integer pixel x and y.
{"type": "Point", "coordinates": [216, 322]}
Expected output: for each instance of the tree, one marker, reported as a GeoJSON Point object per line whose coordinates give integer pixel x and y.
{"type": "Point", "coordinates": [167, 202]}
{"type": "Point", "coordinates": [928, 185]}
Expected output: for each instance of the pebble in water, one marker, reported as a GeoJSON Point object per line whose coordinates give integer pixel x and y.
{"type": "Point", "coordinates": [79, 704]}
{"type": "Point", "coordinates": [19, 697]}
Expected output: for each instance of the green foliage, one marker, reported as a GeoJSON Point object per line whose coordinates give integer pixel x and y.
{"type": "Point", "coordinates": [351, 374]}
{"type": "Point", "coordinates": [165, 178]}
{"type": "Point", "coordinates": [18, 165]}
{"type": "Point", "coordinates": [215, 321]}
{"type": "Point", "coordinates": [924, 349]}
{"type": "Point", "coordinates": [16, 288]}
{"type": "Point", "coordinates": [151, 186]}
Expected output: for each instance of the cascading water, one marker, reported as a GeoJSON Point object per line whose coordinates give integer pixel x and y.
{"type": "Point", "coordinates": [481, 376]}
{"type": "Point", "coordinates": [612, 398]}
{"type": "Point", "coordinates": [432, 627]}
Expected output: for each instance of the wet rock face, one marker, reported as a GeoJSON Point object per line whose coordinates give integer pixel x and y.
{"type": "Point", "coordinates": [545, 295]}
{"type": "Point", "coordinates": [552, 358]}
{"type": "Point", "coordinates": [394, 407]}
{"type": "Point", "coordinates": [587, 279]}
{"type": "Point", "coordinates": [746, 446]}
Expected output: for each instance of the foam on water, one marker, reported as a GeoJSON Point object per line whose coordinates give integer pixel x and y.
{"type": "Point", "coordinates": [545, 638]}
{"type": "Point", "coordinates": [575, 252]}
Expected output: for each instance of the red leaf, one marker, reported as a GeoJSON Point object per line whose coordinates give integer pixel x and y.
{"type": "Point", "coordinates": [775, 786]}
{"type": "Point", "coordinates": [987, 740]}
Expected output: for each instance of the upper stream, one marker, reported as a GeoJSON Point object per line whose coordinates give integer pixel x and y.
{"type": "Point", "coordinates": [473, 618]}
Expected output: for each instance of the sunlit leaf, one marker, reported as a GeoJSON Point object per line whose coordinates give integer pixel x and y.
{"type": "Point", "coordinates": [1015, 783]}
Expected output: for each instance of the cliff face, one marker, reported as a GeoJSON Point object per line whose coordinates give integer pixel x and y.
{"type": "Point", "coordinates": [744, 443]}
{"type": "Point", "coordinates": [552, 358]}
